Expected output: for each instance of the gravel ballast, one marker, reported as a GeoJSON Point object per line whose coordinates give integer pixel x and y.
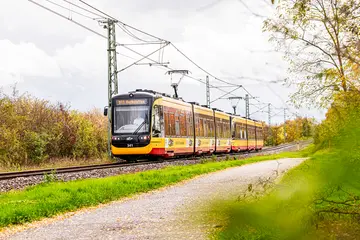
{"type": "Point", "coordinates": [23, 182]}
{"type": "Point", "coordinates": [169, 213]}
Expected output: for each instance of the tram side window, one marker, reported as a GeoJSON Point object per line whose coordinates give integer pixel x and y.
{"type": "Point", "coordinates": [221, 130]}
{"type": "Point", "coordinates": [177, 124]}
{"type": "Point", "coordinates": [241, 134]}
{"type": "Point", "coordinates": [157, 128]}
{"type": "Point", "coordinates": [197, 128]}
{"type": "Point", "coordinates": [227, 127]}
{"type": "Point", "coordinates": [245, 134]}
{"type": "Point", "coordinates": [182, 121]}
{"type": "Point", "coordinates": [172, 124]}
{"type": "Point", "coordinates": [190, 129]}
{"type": "Point", "coordinates": [218, 128]}
{"type": "Point", "coordinates": [201, 126]}
{"type": "Point", "coordinates": [167, 123]}
{"type": "Point", "coordinates": [250, 132]}
{"type": "Point", "coordinates": [211, 130]}
{"type": "Point", "coordinates": [206, 127]}
{"type": "Point", "coordinates": [224, 129]}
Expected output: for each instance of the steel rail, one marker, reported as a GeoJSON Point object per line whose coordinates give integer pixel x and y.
{"type": "Point", "coordinates": [30, 173]}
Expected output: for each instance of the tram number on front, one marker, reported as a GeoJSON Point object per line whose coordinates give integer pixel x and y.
{"type": "Point", "coordinates": [130, 145]}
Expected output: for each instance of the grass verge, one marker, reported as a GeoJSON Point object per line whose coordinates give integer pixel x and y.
{"type": "Point", "coordinates": [54, 163]}
{"type": "Point", "coordinates": [46, 200]}
{"type": "Point", "coordinates": [316, 200]}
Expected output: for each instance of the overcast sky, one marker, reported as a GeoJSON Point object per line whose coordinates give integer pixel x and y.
{"type": "Point", "coordinates": [54, 59]}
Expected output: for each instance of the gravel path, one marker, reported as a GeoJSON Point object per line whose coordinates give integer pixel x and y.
{"type": "Point", "coordinates": [164, 214]}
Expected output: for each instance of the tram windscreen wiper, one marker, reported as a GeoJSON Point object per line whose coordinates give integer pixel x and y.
{"type": "Point", "coordinates": [141, 125]}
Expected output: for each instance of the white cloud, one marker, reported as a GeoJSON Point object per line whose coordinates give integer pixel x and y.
{"type": "Point", "coordinates": [220, 38]}
{"type": "Point", "coordinates": [18, 61]}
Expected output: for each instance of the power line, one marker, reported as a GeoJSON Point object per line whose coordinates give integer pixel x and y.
{"type": "Point", "coordinates": [59, 5]}
{"type": "Point", "coordinates": [96, 14]}
{"type": "Point", "coordinates": [226, 94]}
{"type": "Point", "coordinates": [258, 110]}
{"type": "Point", "coordinates": [124, 26]}
{"type": "Point", "coordinates": [188, 58]}
{"type": "Point", "coordinates": [143, 58]}
{"type": "Point", "coordinates": [182, 53]}
{"type": "Point", "coordinates": [69, 19]}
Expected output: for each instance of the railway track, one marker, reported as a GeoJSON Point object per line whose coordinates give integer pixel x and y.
{"type": "Point", "coordinates": [30, 173]}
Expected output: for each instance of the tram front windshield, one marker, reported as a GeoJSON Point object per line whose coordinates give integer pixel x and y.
{"type": "Point", "coordinates": [131, 119]}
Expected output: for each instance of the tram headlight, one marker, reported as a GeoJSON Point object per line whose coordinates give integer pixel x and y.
{"type": "Point", "coordinates": [146, 137]}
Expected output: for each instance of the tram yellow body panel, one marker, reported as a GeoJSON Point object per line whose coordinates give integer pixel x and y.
{"type": "Point", "coordinates": [239, 142]}
{"type": "Point", "coordinates": [131, 150]}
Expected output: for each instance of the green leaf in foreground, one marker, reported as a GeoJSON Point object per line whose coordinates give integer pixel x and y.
{"type": "Point", "coordinates": [52, 198]}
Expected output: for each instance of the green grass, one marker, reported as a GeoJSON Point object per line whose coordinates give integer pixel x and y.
{"type": "Point", "coordinates": [46, 200]}
{"type": "Point", "coordinates": [305, 204]}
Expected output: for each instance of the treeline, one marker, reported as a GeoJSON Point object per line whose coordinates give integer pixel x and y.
{"type": "Point", "coordinates": [34, 130]}
{"type": "Point", "coordinates": [341, 128]}
{"type": "Point", "coordinates": [297, 129]}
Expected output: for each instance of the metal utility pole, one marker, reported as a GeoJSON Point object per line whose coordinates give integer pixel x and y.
{"type": "Point", "coordinates": [247, 106]}
{"type": "Point", "coordinates": [112, 72]}
{"type": "Point", "coordinates": [285, 125]}
{"type": "Point", "coordinates": [207, 92]}
{"type": "Point", "coordinates": [269, 116]}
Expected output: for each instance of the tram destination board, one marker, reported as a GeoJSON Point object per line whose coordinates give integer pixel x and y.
{"type": "Point", "coordinates": [142, 101]}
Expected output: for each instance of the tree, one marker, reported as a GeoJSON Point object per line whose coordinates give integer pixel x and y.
{"type": "Point", "coordinates": [320, 38]}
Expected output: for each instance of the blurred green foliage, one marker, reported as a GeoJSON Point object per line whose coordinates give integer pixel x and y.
{"type": "Point", "coordinates": [319, 199]}
{"type": "Point", "coordinates": [33, 130]}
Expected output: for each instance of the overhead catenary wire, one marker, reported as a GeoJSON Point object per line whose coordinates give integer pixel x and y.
{"type": "Point", "coordinates": [124, 27]}
{"type": "Point", "coordinates": [84, 9]}
{"type": "Point", "coordinates": [260, 110]}
{"type": "Point", "coordinates": [63, 7]}
{"type": "Point", "coordinates": [226, 94]}
{"type": "Point", "coordinates": [142, 58]}
{"type": "Point", "coordinates": [182, 53]}
{"type": "Point", "coordinates": [69, 19]}
{"type": "Point", "coordinates": [124, 24]}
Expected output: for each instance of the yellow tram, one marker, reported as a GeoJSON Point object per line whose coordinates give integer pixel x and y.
{"type": "Point", "coordinates": [154, 125]}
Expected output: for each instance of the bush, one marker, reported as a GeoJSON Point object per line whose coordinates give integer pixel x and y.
{"type": "Point", "coordinates": [33, 130]}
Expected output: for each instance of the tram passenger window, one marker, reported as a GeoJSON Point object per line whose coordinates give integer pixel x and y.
{"type": "Point", "coordinates": [182, 121]}
{"type": "Point", "coordinates": [209, 127]}
{"type": "Point", "coordinates": [157, 128]}
{"type": "Point", "coordinates": [223, 132]}
{"type": "Point", "coordinates": [172, 124]}
{"type": "Point", "coordinates": [213, 128]}
{"type": "Point", "coordinates": [177, 127]}
{"type": "Point", "coordinates": [190, 128]}
{"type": "Point", "coordinates": [201, 127]}
{"type": "Point", "coordinates": [197, 128]}
{"type": "Point", "coordinates": [218, 128]}
{"type": "Point", "coordinates": [223, 129]}
{"type": "Point", "coordinates": [167, 124]}
{"type": "Point", "coordinates": [205, 127]}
